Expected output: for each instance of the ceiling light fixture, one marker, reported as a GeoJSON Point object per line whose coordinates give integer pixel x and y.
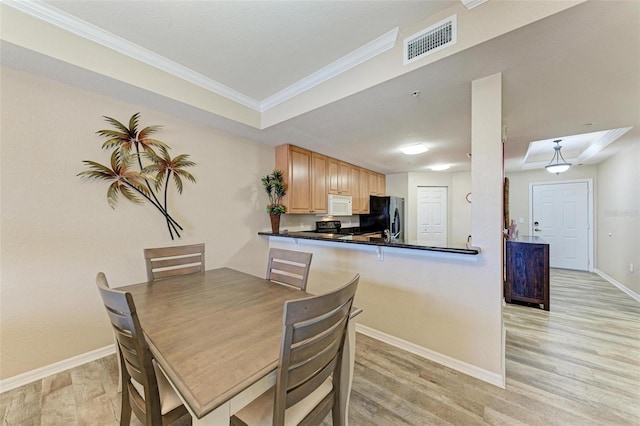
{"type": "Point", "coordinates": [440, 167]}
{"type": "Point", "coordinates": [418, 148]}
{"type": "Point", "coordinates": [555, 165]}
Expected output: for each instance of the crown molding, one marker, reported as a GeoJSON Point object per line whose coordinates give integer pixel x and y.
{"type": "Point", "coordinates": [347, 62]}
{"type": "Point", "coordinates": [111, 41]}
{"type": "Point", "coordinates": [72, 24]}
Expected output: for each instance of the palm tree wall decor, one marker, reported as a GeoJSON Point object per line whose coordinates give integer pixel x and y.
{"type": "Point", "coordinates": [146, 182]}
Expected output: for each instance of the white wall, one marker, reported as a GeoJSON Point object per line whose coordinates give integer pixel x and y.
{"type": "Point", "coordinates": [618, 213]}
{"type": "Point", "coordinates": [519, 190]}
{"type": "Point", "coordinates": [57, 231]}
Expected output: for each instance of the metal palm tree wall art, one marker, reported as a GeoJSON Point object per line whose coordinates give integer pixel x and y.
{"type": "Point", "coordinates": [128, 175]}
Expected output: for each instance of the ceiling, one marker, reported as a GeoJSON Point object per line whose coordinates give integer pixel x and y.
{"type": "Point", "coordinates": [575, 72]}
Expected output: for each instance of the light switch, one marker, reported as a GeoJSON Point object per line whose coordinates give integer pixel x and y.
{"type": "Point", "coordinates": [521, 220]}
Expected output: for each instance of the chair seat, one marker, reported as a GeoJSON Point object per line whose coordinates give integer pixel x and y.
{"type": "Point", "coordinates": [260, 411]}
{"type": "Point", "coordinates": [169, 399]}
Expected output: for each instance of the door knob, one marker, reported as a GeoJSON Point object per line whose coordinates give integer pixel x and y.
{"type": "Point", "coordinates": [537, 229]}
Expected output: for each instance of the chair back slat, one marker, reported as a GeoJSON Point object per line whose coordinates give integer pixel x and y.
{"type": "Point", "coordinates": [165, 262]}
{"type": "Point", "coordinates": [135, 357]}
{"type": "Point", "coordinates": [289, 267]}
{"type": "Point", "coordinates": [313, 336]}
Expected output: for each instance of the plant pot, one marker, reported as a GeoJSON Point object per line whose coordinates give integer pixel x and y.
{"type": "Point", "coordinates": [275, 223]}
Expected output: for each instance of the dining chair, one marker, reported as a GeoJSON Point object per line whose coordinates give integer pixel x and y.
{"type": "Point", "coordinates": [308, 385]}
{"type": "Point", "coordinates": [289, 267]}
{"type": "Point", "coordinates": [145, 390]}
{"type": "Point", "coordinates": [165, 262]}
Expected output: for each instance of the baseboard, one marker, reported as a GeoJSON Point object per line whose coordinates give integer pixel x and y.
{"type": "Point", "coordinates": [41, 373]}
{"type": "Point", "coordinates": [461, 366]}
{"type": "Point", "coordinates": [618, 284]}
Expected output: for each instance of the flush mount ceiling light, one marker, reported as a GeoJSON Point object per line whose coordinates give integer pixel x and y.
{"type": "Point", "coordinates": [555, 165]}
{"type": "Point", "coordinates": [440, 167]}
{"type": "Point", "coordinates": [418, 148]}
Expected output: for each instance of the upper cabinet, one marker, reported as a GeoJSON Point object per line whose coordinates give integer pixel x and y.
{"type": "Point", "coordinates": [305, 175]}
{"type": "Point", "coordinates": [339, 177]}
{"type": "Point", "coordinates": [310, 177]}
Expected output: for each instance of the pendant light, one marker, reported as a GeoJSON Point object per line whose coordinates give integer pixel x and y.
{"type": "Point", "coordinates": [555, 165]}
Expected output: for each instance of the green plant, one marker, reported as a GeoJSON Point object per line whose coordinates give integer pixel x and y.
{"type": "Point", "coordinates": [275, 188]}
{"type": "Point", "coordinates": [135, 185]}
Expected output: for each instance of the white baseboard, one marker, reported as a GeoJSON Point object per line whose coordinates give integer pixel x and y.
{"type": "Point", "coordinates": [41, 373]}
{"type": "Point", "coordinates": [461, 366]}
{"type": "Point", "coordinates": [618, 284]}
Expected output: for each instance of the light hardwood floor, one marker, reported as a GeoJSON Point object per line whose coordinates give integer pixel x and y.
{"type": "Point", "coordinates": [578, 364]}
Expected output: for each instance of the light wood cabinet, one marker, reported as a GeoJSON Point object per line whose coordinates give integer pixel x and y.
{"type": "Point", "coordinates": [310, 177]}
{"type": "Point", "coordinates": [319, 191]}
{"type": "Point", "coordinates": [305, 175]}
{"type": "Point", "coordinates": [339, 177]}
{"type": "Point", "coordinates": [364, 191]}
{"type": "Point", "coordinates": [377, 183]}
{"type": "Point", "coordinates": [356, 196]}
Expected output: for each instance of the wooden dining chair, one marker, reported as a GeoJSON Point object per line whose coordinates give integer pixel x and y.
{"type": "Point", "coordinates": [165, 262]}
{"type": "Point", "coordinates": [289, 267]}
{"type": "Point", "coordinates": [308, 385]}
{"type": "Point", "coordinates": [145, 389]}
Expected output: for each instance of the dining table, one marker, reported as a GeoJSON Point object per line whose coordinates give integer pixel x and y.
{"type": "Point", "coordinates": [216, 336]}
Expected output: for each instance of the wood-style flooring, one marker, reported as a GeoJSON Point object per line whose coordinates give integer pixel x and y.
{"type": "Point", "coordinates": [578, 364]}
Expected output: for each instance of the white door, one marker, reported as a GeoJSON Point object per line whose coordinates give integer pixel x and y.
{"type": "Point", "coordinates": [560, 216]}
{"type": "Point", "coordinates": [432, 215]}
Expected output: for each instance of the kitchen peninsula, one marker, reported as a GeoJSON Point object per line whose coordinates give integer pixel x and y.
{"type": "Point", "coordinates": [374, 241]}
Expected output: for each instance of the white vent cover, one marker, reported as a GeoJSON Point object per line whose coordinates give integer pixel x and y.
{"type": "Point", "coordinates": [430, 40]}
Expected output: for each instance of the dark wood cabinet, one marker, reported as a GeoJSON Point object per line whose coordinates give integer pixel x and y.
{"type": "Point", "coordinates": [527, 271]}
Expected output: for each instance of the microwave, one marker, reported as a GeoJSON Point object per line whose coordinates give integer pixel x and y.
{"type": "Point", "coordinates": [339, 205]}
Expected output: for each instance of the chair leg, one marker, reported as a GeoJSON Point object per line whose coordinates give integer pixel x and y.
{"type": "Point", "coordinates": [125, 412]}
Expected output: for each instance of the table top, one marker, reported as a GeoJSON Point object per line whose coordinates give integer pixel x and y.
{"type": "Point", "coordinates": [214, 334]}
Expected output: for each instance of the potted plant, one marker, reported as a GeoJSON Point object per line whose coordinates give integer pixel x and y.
{"type": "Point", "coordinates": [275, 187]}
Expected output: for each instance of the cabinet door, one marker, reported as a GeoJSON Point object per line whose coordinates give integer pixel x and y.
{"type": "Point", "coordinates": [356, 203]}
{"type": "Point", "coordinates": [364, 191]}
{"type": "Point", "coordinates": [373, 183]}
{"type": "Point", "coordinates": [319, 192]}
{"type": "Point", "coordinates": [381, 184]}
{"type": "Point", "coordinates": [332, 176]}
{"type": "Point", "coordinates": [299, 184]}
{"type": "Point", "coordinates": [344, 178]}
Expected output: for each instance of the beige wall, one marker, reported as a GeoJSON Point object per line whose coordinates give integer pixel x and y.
{"type": "Point", "coordinates": [618, 213]}
{"type": "Point", "coordinates": [57, 231]}
{"type": "Point", "coordinates": [616, 200]}
{"type": "Point", "coordinates": [458, 210]}
{"type": "Point", "coordinates": [519, 190]}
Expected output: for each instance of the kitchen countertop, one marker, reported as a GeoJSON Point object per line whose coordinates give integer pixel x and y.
{"type": "Point", "coordinates": [373, 241]}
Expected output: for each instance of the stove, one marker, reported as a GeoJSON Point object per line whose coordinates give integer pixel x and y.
{"type": "Point", "coordinates": [328, 226]}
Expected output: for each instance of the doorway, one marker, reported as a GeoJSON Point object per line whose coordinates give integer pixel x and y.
{"type": "Point", "coordinates": [432, 215]}
{"type": "Point", "coordinates": [561, 214]}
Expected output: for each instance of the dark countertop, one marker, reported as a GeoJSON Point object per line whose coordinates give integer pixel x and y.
{"type": "Point", "coordinates": [372, 241]}
{"type": "Point", "coordinates": [528, 240]}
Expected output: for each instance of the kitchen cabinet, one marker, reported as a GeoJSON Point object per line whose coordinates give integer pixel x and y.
{"type": "Point", "coordinates": [305, 175]}
{"type": "Point", "coordinates": [377, 183]}
{"type": "Point", "coordinates": [319, 190]}
{"type": "Point", "coordinates": [339, 177]}
{"type": "Point", "coordinates": [311, 177]}
{"type": "Point", "coordinates": [356, 196]}
{"type": "Point", "coordinates": [527, 271]}
{"type": "Point", "coordinates": [364, 191]}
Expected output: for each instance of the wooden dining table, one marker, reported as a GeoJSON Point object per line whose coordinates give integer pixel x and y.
{"type": "Point", "coordinates": [217, 338]}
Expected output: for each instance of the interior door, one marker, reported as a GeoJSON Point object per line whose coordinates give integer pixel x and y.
{"type": "Point", "coordinates": [432, 215]}
{"type": "Point", "coordinates": [560, 216]}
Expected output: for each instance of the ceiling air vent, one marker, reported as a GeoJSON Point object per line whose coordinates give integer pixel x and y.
{"type": "Point", "coordinates": [430, 40]}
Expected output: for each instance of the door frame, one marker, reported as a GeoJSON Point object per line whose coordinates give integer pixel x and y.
{"type": "Point", "coordinates": [590, 200]}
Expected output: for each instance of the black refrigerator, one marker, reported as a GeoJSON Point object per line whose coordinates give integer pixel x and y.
{"type": "Point", "coordinates": [384, 213]}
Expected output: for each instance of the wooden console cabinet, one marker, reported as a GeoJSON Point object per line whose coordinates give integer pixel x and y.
{"type": "Point", "coordinates": [527, 271]}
